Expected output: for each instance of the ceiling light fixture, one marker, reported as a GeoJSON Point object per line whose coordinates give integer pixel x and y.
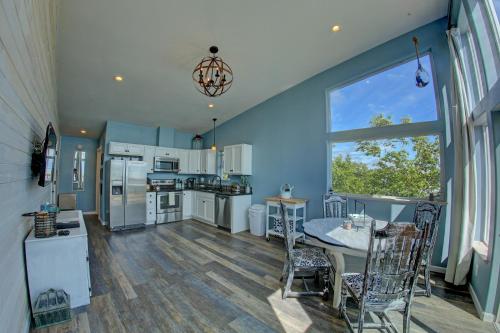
{"type": "Point", "coordinates": [421, 75]}
{"type": "Point", "coordinates": [210, 106]}
{"type": "Point", "coordinates": [214, 147]}
{"type": "Point", "coordinates": [118, 78]}
{"type": "Point", "coordinates": [212, 76]}
{"type": "Point", "coordinates": [336, 28]}
{"type": "Point", "coordinates": [83, 131]}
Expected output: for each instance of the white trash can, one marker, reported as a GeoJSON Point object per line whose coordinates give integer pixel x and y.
{"type": "Point", "coordinates": [257, 217]}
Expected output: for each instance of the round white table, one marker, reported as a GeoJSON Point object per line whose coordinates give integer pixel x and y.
{"type": "Point", "coordinates": [328, 233]}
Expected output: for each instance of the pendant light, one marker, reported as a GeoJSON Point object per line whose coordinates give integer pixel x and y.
{"type": "Point", "coordinates": [421, 75]}
{"type": "Point", "coordinates": [214, 147]}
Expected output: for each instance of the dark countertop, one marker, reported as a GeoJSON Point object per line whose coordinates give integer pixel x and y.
{"type": "Point", "coordinates": [217, 192]}
{"type": "Point", "coordinates": [206, 191]}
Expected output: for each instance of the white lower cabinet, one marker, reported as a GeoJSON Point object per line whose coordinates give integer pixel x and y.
{"type": "Point", "coordinates": [150, 207]}
{"type": "Point", "coordinates": [204, 206]}
{"type": "Point", "coordinates": [187, 204]}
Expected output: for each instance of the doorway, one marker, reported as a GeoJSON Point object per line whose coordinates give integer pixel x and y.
{"type": "Point", "coordinates": [98, 182]}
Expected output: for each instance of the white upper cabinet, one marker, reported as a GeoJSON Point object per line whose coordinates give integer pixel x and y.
{"type": "Point", "coordinates": [238, 159]}
{"type": "Point", "coordinates": [208, 161]}
{"type": "Point", "coordinates": [149, 156]}
{"type": "Point", "coordinates": [183, 155]}
{"type": "Point", "coordinates": [166, 152]}
{"type": "Point", "coordinates": [194, 162]}
{"type": "Point", "coordinates": [125, 149]}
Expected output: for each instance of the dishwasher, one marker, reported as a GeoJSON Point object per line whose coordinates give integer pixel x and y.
{"type": "Point", "coordinates": [223, 211]}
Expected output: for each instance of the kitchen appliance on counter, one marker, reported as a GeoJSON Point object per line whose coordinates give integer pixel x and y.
{"type": "Point", "coordinates": [286, 191]}
{"type": "Point", "coordinates": [223, 211]}
{"type": "Point", "coordinates": [127, 194]}
{"type": "Point", "coordinates": [166, 164]}
{"type": "Point", "coordinates": [168, 200]}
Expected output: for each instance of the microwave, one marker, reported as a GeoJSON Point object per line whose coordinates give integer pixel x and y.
{"type": "Point", "coordinates": [166, 164]}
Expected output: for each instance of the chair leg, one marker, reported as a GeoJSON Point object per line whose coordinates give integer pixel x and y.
{"type": "Point", "coordinates": [343, 302]}
{"type": "Point", "coordinates": [427, 278]}
{"type": "Point", "coordinates": [285, 269]}
{"type": "Point", "coordinates": [326, 284]}
{"type": "Point", "coordinates": [288, 285]}
{"type": "Point", "coordinates": [406, 319]}
{"type": "Point", "coordinates": [361, 318]}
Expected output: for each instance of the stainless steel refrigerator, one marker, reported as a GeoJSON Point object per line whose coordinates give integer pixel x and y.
{"type": "Point", "coordinates": [127, 194]}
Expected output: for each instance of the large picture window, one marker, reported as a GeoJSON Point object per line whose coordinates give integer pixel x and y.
{"type": "Point", "coordinates": [384, 135]}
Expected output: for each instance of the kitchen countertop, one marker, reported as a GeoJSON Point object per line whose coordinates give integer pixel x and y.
{"type": "Point", "coordinates": [62, 217]}
{"type": "Point", "coordinates": [206, 191]}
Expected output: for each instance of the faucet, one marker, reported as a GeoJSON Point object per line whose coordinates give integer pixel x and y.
{"type": "Point", "coordinates": [220, 181]}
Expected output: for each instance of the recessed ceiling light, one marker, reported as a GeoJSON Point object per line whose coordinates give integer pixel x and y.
{"type": "Point", "coordinates": [118, 78]}
{"type": "Point", "coordinates": [336, 28]}
{"type": "Point", "coordinates": [83, 131]}
{"type": "Point", "coordinates": [210, 106]}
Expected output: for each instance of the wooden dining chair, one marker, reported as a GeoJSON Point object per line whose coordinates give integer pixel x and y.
{"type": "Point", "coordinates": [334, 205]}
{"type": "Point", "coordinates": [391, 272]}
{"type": "Point", "coordinates": [427, 214]}
{"type": "Point", "coordinates": [308, 261]}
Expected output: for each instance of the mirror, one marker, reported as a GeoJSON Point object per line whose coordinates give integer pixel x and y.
{"type": "Point", "coordinates": [79, 170]}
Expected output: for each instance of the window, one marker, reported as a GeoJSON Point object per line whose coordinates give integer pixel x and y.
{"type": "Point", "coordinates": [384, 135]}
{"type": "Point", "coordinates": [403, 167]}
{"type": "Point", "coordinates": [482, 169]}
{"type": "Point", "coordinates": [391, 93]}
{"type": "Point", "coordinates": [469, 60]}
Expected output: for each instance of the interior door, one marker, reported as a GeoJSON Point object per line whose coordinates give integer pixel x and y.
{"type": "Point", "coordinates": [135, 193]}
{"type": "Point", "coordinates": [98, 182]}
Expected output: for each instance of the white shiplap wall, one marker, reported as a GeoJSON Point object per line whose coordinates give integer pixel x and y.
{"type": "Point", "coordinates": [27, 104]}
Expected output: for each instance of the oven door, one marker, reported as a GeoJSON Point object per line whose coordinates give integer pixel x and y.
{"type": "Point", "coordinates": [168, 202]}
{"type": "Point", "coordinates": [166, 164]}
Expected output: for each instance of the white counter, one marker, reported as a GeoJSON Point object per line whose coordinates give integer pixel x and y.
{"type": "Point", "coordinates": [60, 262]}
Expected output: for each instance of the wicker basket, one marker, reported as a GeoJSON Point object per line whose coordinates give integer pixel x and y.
{"type": "Point", "coordinates": [45, 224]}
{"type": "Point", "coordinates": [51, 307]}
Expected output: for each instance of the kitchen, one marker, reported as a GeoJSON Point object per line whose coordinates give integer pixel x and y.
{"type": "Point", "coordinates": [189, 186]}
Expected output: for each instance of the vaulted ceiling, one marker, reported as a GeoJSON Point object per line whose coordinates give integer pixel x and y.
{"type": "Point", "coordinates": [271, 45]}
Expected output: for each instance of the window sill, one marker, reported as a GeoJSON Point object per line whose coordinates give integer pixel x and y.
{"type": "Point", "coordinates": [481, 249]}
{"type": "Point", "coordinates": [387, 198]}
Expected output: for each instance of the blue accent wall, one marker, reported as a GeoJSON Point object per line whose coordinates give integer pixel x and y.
{"type": "Point", "coordinates": [85, 200]}
{"type": "Point", "coordinates": [288, 131]}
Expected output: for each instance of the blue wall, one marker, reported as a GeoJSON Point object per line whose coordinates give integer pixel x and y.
{"type": "Point", "coordinates": [288, 131]}
{"type": "Point", "coordinates": [85, 200]}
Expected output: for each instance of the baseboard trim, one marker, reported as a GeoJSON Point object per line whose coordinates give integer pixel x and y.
{"type": "Point", "coordinates": [484, 316]}
{"type": "Point", "coordinates": [438, 269]}
{"type": "Point", "coordinates": [90, 213]}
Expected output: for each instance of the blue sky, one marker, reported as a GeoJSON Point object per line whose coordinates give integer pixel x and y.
{"type": "Point", "coordinates": [392, 92]}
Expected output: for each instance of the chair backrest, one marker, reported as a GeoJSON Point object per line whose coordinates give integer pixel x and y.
{"type": "Point", "coordinates": [394, 257]}
{"type": "Point", "coordinates": [334, 205]}
{"type": "Point", "coordinates": [427, 213]}
{"type": "Point", "coordinates": [287, 230]}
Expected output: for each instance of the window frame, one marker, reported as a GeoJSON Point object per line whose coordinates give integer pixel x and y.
{"type": "Point", "coordinates": [423, 128]}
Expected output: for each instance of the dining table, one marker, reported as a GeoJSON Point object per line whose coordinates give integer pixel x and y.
{"type": "Point", "coordinates": [338, 241]}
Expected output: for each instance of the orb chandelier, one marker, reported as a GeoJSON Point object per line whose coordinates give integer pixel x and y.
{"type": "Point", "coordinates": [212, 76]}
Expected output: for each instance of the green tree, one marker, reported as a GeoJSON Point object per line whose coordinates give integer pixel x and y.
{"type": "Point", "coordinates": [395, 172]}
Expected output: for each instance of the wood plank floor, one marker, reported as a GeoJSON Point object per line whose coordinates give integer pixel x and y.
{"type": "Point", "coordinates": [191, 277]}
